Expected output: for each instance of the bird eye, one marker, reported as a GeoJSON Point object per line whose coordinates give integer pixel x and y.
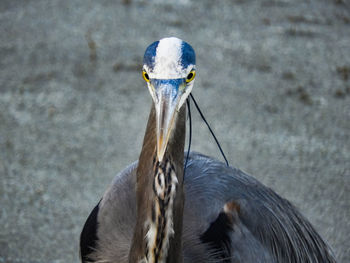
{"type": "Point", "coordinates": [190, 76]}
{"type": "Point", "coordinates": [145, 76]}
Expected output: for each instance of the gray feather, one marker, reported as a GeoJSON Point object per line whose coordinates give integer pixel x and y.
{"type": "Point", "coordinates": [266, 229]}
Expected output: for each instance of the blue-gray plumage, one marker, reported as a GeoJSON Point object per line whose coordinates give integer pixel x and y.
{"type": "Point", "coordinates": [265, 228]}
{"type": "Point", "coordinates": [152, 212]}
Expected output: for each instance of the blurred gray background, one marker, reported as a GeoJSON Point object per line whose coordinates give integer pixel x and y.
{"type": "Point", "coordinates": [273, 80]}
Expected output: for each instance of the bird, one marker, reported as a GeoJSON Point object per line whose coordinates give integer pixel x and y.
{"type": "Point", "coordinates": [176, 208]}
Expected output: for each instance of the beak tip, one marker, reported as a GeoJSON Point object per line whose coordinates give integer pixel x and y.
{"type": "Point", "coordinates": [160, 152]}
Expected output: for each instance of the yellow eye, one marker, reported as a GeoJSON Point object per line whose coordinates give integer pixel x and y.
{"type": "Point", "coordinates": [145, 76]}
{"type": "Point", "coordinates": [190, 76]}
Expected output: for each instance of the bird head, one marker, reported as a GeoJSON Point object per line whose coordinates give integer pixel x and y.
{"type": "Point", "coordinates": [169, 71]}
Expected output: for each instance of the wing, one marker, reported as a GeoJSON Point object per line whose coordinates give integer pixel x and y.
{"type": "Point", "coordinates": [110, 225]}
{"type": "Point", "coordinates": [88, 236]}
{"type": "Point", "coordinates": [256, 224]}
{"type": "Point", "coordinates": [228, 217]}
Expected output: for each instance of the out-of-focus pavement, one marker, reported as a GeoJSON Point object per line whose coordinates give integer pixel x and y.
{"type": "Point", "coordinates": [273, 80]}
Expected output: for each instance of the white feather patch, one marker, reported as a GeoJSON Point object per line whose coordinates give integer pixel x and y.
{"type": "Point", "coordinates": [168, 60]}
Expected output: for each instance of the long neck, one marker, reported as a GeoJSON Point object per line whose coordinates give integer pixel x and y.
{"type": "Point", "coordinates": [160, 197]}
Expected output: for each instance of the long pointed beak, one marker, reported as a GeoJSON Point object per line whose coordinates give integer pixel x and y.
{"type": "Point", "coordinates": [166, 99]}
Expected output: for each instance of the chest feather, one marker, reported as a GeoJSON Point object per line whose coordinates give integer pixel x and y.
{"type": "Point", "coordinates": [160, 225]}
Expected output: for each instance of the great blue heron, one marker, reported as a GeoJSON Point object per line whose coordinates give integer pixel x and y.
{"type": "Point", "coordinates": [215, 213]}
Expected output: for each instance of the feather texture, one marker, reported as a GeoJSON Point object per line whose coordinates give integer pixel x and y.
{"type": "Point", "coordinates": [267, 228]}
